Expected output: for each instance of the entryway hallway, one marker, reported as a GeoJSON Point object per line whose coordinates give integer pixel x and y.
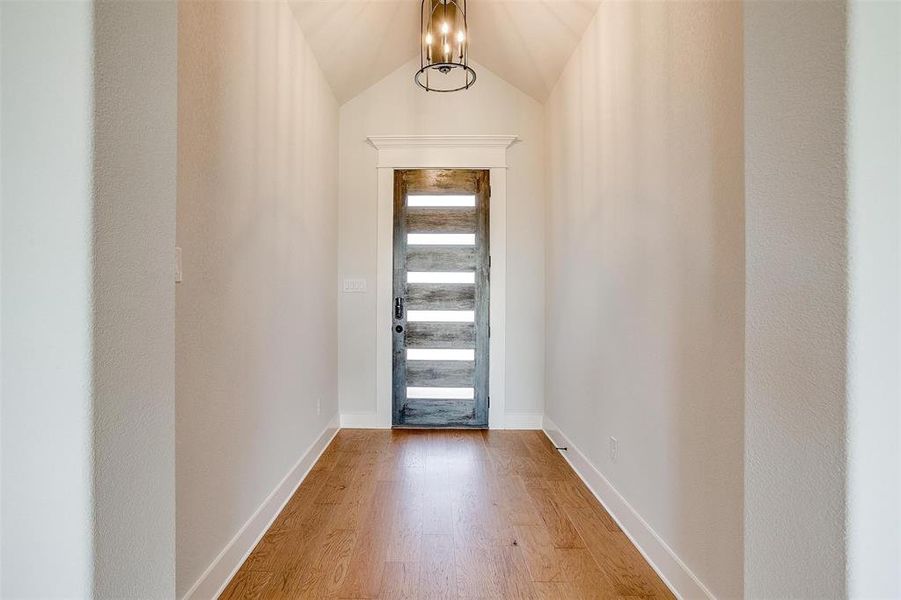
{"type": "Point", "coordinates": [240, 244]}
{"type": "Point", "coordinates": [444, 514]}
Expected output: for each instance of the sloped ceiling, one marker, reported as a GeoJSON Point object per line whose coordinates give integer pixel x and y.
{"type": "Point", "coordinates": [526, 42]}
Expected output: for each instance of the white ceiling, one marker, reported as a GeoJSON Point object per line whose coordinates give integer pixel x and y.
{"type": "Point", "coordinates": [526, 42]}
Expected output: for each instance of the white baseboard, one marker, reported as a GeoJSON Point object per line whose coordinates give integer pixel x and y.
{"type": "Point", "coordinates": [523, 420]}
{"type": "Point", "coordinates": [223, 568]}
{"type": "Point", "coordinates": [677, 576]}
{"type": "Point", "coordinates": [365, 420]}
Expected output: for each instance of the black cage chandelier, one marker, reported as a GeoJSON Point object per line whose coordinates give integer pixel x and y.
{"type": "Point", "coordinates": [444, 47]}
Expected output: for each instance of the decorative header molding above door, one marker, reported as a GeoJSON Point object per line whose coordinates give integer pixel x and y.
{"type": "Point", "coordinates": [431, 151]}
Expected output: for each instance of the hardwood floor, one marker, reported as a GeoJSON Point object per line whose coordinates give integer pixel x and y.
{"type": "Point", "coordinates": [444, 514]}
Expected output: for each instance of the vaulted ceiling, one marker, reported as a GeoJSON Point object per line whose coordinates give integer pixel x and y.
{"type": "Point", "coordinates": [526, 42]}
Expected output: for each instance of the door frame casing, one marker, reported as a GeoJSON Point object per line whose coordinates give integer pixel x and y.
{"type": "Point", "coordinates": [440, 152]}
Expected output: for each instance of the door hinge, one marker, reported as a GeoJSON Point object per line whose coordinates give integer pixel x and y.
{"type": "Point", "coordinates": [489, 401]}
{"type": "Point", "coordinates": [489, 331]}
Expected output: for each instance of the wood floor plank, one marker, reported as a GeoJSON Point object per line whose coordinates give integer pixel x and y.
{"type": "Point", "coordinates": [570, 494]}
{"type": "Point", "coordinates": [322, 574]}
{"type": "Point", "coordinates": [556, 590]}
{"type": "Point", "coordinates": [437, 574]}
{"type": "Point", "coordinates": [247, 585]}
{"type": "Point", "coordinates": [302, 501]}
{"type": "Point", "coordinates": [444, 514]}
{"type": "Point", "coordinates": [618, 558]}
{"type": "Point", "coordinates": [515, 503]}
{"type": "Point", "coordinates": [518, 584]}
{"type": "Point", "coordinates": [309, 516]}
{"type": "Point", "coordinates": [479, 572]}
{"type": "Point", "coordinates": [580, 569]}
{"type": "Point", "coordinates": [303, 557]}
{"type": "Point", "coordinates": [477, 523]}
{"type": "Point", "coordinates": [400, 581]}
{"type": "Point", "coordinates": [353, 510]}
{"type": "Point", "coordinates": [334, 561]}
{"type": "Point", "coordinates": [437, 513]}
{"type": "Point", "coordinates": [404, 537]}
{"type": "Point", "coordinates": [273, 551]}
{"type": "Point", "coordinates": [542, 558]}
{"type": "Point", "coordinates": [364, 577]}
{"type": "Point", "coordinates": [563, 533]}
{"type": "Point", "coordinates": [336, 485]}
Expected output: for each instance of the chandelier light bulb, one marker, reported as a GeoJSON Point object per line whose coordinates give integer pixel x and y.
{"type": "Point", "coordinates": [447, 48]}
{"type": "Point", "coordinates": [460, 37]}
{"type": "Point", "coordinates": [428, 39]}
{"type": "Point", "coordinates": [445, 28]}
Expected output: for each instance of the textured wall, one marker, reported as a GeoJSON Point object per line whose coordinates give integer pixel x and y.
{"type": "Point", "coordinates": [255, 316]}
{"type": "Point", "coordinates": [645, 269]}
{"type": "Point", "coordinates": [795, 474]}
{"type": "Point", "coordinates": [134, 298]}
{"type": "Point", "coordinates": [396, 106]}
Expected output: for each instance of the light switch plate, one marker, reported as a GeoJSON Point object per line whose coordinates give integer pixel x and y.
{"type": "Point", "coordinates": [178, 271]}
{"type": "Point", "coordinates": [354, 286]}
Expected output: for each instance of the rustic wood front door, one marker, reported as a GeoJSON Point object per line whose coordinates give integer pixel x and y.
{"type": "Point", "coordinates": [440, 306]}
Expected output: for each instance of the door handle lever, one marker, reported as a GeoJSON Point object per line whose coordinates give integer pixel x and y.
{"type": "Point", "coordinates": [398, 308]}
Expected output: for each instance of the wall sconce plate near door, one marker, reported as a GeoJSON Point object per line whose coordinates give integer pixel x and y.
{"type": "Point", "coordinates": [444, 47]}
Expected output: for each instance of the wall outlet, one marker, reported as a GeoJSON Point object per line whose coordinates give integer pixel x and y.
{"type": "Point", "coordinates": [614, 449]}
{"type": "Point", "coordinates": [354, 286]}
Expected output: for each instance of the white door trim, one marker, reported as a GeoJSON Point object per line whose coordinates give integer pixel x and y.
{"type": "Point", "coordinates": [442, 152]}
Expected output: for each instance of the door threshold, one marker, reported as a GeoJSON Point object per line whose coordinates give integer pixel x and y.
{"type": "Point", "coordinates": [434, 427]}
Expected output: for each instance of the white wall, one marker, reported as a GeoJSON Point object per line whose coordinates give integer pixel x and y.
{"type": "Point", "coordinates": [46, 321]}
{"type": "Point", "coordinates": [645, 268]}
{"type": "Point", "coordinates": [396, 106]}
{"type": "Point", "coordinates": [255, 316]}
{"type": "Point", "coordinates": [796, 206]}
{"type": "Point", "coordinates": [874, 361]}
{"type": "Point", "coordinates": [87, 370]}
{"type": "Point", "coordinates": [1, 298]}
